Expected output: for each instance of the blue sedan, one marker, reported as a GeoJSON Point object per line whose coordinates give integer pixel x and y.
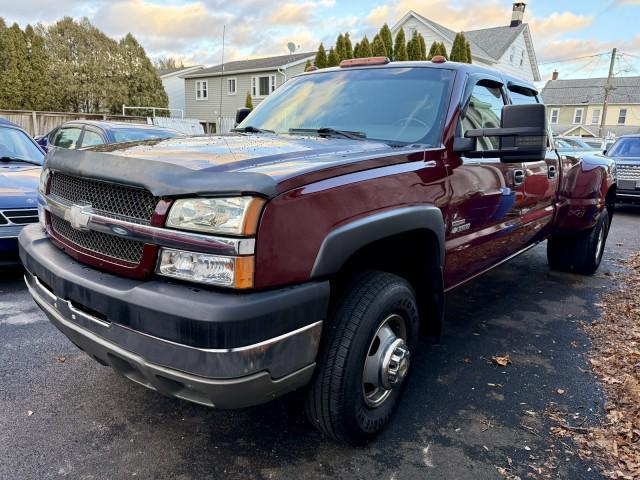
{"type": "Point", "coordinates": [20, 164]}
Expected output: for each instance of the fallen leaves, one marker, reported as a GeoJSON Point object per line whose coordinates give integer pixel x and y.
{"type": "Point", "coordinates": [615, 444]}
{"type": "Point", "coordinates": [503, 361]}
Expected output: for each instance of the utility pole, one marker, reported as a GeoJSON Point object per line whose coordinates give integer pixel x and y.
{"type": "Point", "coordinates": [608, 87]}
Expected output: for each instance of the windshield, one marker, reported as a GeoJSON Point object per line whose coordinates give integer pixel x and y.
{"type": "Point", "coordinates": [394, 105]}
{"type": "Point", "coordinates": [16, 144]}
{"type": "Point", "coordinates": [122, 135]}
{"type": "Point", "coordinates": [626, 147]}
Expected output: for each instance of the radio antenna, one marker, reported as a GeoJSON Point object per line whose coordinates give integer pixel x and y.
{"type": "Point", "coordinates": [224, 28]}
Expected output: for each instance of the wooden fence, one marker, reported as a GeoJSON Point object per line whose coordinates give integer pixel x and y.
{"type": "Point", "coordinates": [40, 123]}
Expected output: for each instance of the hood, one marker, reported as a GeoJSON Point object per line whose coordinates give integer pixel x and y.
{"type": "Point", "coordinates": [227, 164]}
{"type": "Point", "coordinates": [18, 185]}
{"type": "Point", "coordinates": [273, 155]}
{"type": "Point", "coordinates": [626, 160]}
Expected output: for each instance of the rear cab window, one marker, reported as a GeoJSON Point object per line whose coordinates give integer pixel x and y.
{"type": "Point", "coordinates": [67, 137]}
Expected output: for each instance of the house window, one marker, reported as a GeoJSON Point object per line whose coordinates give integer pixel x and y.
{"type": "Point", "coordinates": [263, 86]}
{"type": "Point", "coordinates": [522, 58]}
{"type": "Point", "coordinates": [513, 55]}
{"type": "Point", "coordinates": [202, 89]}
{"type": "Point", "coordinates": [595, 117]}
{"type": "Point", "coordinates": [232, 86]}
{"type": "Point", "coordinates": [555, 115]}
{"type": "Point", "coordinates": [622, 116]}
{"type": "Point", "coordinates": [577, 116]}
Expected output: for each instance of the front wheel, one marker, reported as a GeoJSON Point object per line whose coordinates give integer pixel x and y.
{"type": "Point", "coordinates": [364, 359]}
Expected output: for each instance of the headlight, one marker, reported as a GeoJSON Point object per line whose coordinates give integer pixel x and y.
{"type": "Point", "coordinates": [235, 272]}
{"type": "Point", "coordinates": [227, 216]}
{"type": "Point", "coordinates": [44, 178]}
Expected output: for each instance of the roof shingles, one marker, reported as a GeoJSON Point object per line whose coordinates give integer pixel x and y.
{"type": "Point", "coordinates": [268, 63]}
{"type": "Point", "coordinates": [591, 91]}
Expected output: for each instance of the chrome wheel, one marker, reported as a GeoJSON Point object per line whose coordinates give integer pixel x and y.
{"type": "Point", "coordinates": [387, 361]}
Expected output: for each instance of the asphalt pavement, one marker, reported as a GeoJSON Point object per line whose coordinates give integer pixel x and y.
{"type": "Point", "coordinates": [64, 415]}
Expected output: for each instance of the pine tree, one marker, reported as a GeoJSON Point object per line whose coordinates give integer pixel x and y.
{"type": "Point", "coordinates": [13, 66]}
{"type": "Point", "coordinates": [36, 76]}
{"type": "Point", "coordinates": [248, 101]}
{"type": "Point", "coordinates": [468, 49]}
{"type": "Point", "coordinates": [321, 57]}
{"type": "Point", "coordinates": [340, 47]}
{"type": "Point", "coordinates": [459, 49]}
{"type": "Point", "coordinates": [377, 47]}
{"type": "Point", "coordinates": [356, 50]}
{"type": "Point", "coordinates": [433, 51]}
{"type": "Point", "coordinates": [400, 47]}
{"type": "Point", "coordinates": [387, 39]}
{"type": "Point", "coordinates": [348, 48]}
{"type": "Point", "coordinates": [423, 47]}
{"type": "Point", "coordinates": [365, 48]}
{"type": "Point", "coordinates": [413, 47]}
{"type": "Point", "coordinates": [332, 59]}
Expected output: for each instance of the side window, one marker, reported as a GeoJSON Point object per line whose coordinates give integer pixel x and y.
{"type": "Point", "coordinates": [67, 137]}
{"type": "Point", "coordinates": [91, 139]}
{"type": "Point", "coordinates": [523, 97]}
{"type": "Point", "coordinates": [484, 111]}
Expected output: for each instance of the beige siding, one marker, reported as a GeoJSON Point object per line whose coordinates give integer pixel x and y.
{"type": "Point", "coordinates": [567, 113]}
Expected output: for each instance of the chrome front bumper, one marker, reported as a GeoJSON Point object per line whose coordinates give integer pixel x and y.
{"type": "Point", "coordinates": [225, 378]}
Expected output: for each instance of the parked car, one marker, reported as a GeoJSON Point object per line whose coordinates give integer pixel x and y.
{"type": "Point", "coordinates": [600, 144]}
{"type": "Point", "coordinates": [90, 133]}
{"type": "Point", "coordinates": [575, 146]}
{"type": "Point", "coordinates": [310, 247]}
{"type": "Point", "coordinates": [20, 165]}
{"type": "Point", "coordinates": [626, 154]}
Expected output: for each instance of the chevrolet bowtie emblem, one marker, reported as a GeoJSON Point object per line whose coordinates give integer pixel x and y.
{"type": "Point", "coordinates": [78, 216]}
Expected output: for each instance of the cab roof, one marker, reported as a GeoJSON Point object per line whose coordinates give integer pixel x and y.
{"type": "Point", "coordinates": [467, 68]}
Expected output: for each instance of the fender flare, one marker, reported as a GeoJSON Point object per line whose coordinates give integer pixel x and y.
{"type": "Point", "coordinates": [340, 244]}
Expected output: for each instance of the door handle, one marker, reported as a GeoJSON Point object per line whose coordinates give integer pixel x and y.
{"type": "Point", "coordinates": [552, 172]}
{"type": "Point", "coordinates": [518, 177]}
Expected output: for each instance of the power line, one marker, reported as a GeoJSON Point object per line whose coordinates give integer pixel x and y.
{"type": "Point", "coordinates": [565, 60]}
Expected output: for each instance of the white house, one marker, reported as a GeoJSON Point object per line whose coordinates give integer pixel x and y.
{"type": "Point", "coordinates": [173, 84]}
{"type": "Point", "coordinates": [506, 48]}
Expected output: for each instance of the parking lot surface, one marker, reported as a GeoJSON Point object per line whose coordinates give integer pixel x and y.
{"type": "Point", "coordinates": [64, 415]}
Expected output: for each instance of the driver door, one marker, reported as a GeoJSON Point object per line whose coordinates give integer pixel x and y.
{"type": "Point", "coordinates": [484, 216]}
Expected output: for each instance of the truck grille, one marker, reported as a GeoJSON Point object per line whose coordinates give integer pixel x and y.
{"type": "Point", "coordinates": [21, 216]}
{"type": "Point", "coordinates": [109, 198]}
{"type": "Point", "coordinates": [108, 245]}
{"type": "Point", "coordinates": [628, 172]}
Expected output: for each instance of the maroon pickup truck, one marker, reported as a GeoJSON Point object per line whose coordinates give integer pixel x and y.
{"type": "Point", "coordinates": [311, 246]}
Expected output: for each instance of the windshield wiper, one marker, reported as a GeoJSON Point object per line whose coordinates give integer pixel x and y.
{"type": "Point", "coordinates": [252, 129]}
{"type": "Point", "coordinates": [16, 159]}
{"type": "Point", "coordinates": [327, 131]}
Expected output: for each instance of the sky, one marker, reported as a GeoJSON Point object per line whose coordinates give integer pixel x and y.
{"type": "Point", "coordinates": [573, 36]}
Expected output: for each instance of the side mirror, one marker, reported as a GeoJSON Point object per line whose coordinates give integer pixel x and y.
{"type": "Point", "coordinates": [523, 135]}
{"type": "Point", "coordinates": [241, 114]}
{"type": "Point", "coordinates": [43, 141]}
{"type": "Point", "coordinates": [604, 152]}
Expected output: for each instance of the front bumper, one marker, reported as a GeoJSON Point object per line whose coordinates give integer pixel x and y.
{"type": "Point", "coordinates": [225, 376]}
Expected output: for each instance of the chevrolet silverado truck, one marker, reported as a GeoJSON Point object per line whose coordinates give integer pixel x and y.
{"type": "Point", "coordinates": [312, 245]}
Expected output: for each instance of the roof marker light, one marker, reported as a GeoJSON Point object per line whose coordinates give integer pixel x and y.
{"type": "Point", "coordinates": [439, 59]}
{"type": "Point", "coordinates": [358, 62]}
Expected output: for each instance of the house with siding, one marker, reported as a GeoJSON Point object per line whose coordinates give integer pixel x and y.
{"type": "Point", "coordinates": [575, 107]}
{"type": "Point", "coordinates": [213, 95]}
{"type": "Point", "coordinates": [173, 84]}
{"type": "Point", "coordinates": [507, 48]}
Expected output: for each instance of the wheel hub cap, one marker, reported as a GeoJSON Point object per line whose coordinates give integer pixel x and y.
{"type": "Point", "coordinates": [395, 364]}
{"type": "Point", "coordinates": [387, 362]}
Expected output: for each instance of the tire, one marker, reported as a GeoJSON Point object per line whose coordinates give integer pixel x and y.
{"type": "Point", "coordinates": [340, 402]}
{"type": "Point", "coordinates": [581, 253]}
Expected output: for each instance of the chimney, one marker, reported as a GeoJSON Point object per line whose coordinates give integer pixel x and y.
{"type": "Point", "coordinates": [554, 76]}
{"type": "Point", "coordinates": [518, 14]}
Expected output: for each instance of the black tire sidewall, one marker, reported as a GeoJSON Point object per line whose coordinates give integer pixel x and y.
{"type": "Point", "coordinates": [358, 416]}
